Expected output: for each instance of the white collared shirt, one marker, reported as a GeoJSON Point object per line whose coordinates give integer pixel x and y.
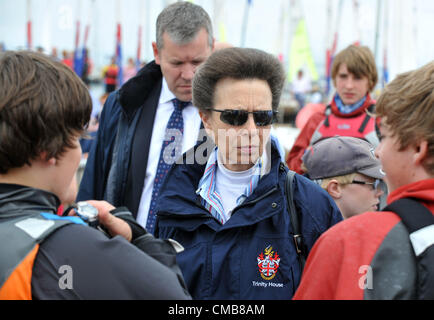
{"type": "Point", "coordinates": [192, 125]}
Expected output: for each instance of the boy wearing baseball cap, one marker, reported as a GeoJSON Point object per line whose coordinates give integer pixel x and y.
{"type": "Point", "coordinates": [348, 170]}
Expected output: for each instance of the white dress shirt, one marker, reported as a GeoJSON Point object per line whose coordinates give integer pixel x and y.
{"type": "Point", "coordinates": [192, 125]}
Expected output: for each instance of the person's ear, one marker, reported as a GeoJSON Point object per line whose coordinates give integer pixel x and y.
{"type": "Point", "coordinates": [44, 158]}
{"type": "Point", "coordinates": [156, 52]}
{"type": "Point", "coordinates": [205, 117]}
{"type": "Point", "coordinates": [334, 189]}
{"type": "Point", "coordinates": [213, 44]}
{"type": "Point", "coordinates": [206, 120]}
{"type": "Point", "coordinates": [421, 152]}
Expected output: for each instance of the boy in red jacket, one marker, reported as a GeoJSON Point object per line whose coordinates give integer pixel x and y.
{"type": "Point", "coordinates": [354, 75]}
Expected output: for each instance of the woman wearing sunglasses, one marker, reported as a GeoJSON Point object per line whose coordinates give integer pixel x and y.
{"type": "Point", "coordinates": [229, 212]}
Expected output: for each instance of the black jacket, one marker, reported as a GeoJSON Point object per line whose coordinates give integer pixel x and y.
{"type": "Point", "coordinates": [116, 166]}
{"type": "Point", "coordinates": [101, 268]}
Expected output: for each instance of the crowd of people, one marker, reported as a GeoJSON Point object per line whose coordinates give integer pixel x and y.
{"type": "Point", "coordinates": [186, 194]}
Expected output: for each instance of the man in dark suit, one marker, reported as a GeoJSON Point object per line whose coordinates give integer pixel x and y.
{"type": "Point", "coordinates": [127, 162]}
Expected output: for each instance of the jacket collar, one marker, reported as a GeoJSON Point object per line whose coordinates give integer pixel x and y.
{"type": "Point", "coordinates": [133, 94]}
{"type": "Point", "coordinates": [17, 200]}
{"type": "Point", "coordinates": [184, 201]}
{"type": "Point", "coordinates": [368, 102]}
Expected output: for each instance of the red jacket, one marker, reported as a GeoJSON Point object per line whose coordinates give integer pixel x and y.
{"type": "Point", "coordinates": [304, 138]}
{"type": "Point", "coordinates": [373, 246]}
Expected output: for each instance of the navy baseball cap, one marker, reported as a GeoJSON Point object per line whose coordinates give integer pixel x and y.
{"type": "Point", "coordinates": [338, 156]}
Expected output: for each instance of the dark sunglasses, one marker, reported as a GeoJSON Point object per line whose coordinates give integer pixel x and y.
{"type": "Point", "coordinates": [239, 117]}
{"type": "Point", "coordinates": [375, 185]}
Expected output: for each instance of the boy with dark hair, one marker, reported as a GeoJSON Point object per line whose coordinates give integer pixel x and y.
{"type": "Point", "coordinates": [44, 108]}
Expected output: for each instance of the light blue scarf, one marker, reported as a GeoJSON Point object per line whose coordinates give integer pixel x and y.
{"type": "Point", "coordinates": [211, 198]}
{"type": "Point", "coordinates": [346, 109]}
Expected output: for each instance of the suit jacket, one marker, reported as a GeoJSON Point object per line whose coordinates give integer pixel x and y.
{"type": "Point", "coordinates": [116, 166]}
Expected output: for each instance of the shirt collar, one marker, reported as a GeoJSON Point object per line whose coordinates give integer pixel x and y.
{"type": "Point", "coordinates": [166, 95]}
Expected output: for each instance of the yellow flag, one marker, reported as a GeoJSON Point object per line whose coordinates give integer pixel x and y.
{"type": "Point", "coordinates": [301, 53]}
{"type": "Point", "coordinates": [222, 32]}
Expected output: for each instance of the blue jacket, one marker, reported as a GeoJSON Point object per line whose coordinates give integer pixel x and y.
{"type": "Point", "coordinates": [224, 261]}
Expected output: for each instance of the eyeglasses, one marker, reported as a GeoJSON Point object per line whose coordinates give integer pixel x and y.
{"type": "Point", "coordinates": [375, 185]}
{"type": "Point", "coordinates": [239, 117]}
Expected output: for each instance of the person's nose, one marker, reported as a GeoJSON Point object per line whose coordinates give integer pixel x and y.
{"type": "Point", "coordinates": [377, 151]}
{"type": "Point", "coordinates": [379, 192]}
{"type": "Point", "coordinates": [349, 83]}
{"type": "Point", "coordinates": [188, 72]}
{"type": "Point", "coordinates": [250, 124]}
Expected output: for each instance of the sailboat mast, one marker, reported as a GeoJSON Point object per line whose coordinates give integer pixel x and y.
{"type": "Point", "coordinates": [377, 29]}
{"type": "Point", "coordinates": [245, 23]}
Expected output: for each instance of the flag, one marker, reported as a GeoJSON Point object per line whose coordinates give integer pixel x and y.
{"type": "Point", "coordinates": [84, 56]}
{"type": "Point", "coordinates": [329, 61]}
{"type": "Point", "coordinates": [29, 35]}
{"type": "Point", "coordinates": [301, 54]}
{"type": "Point", "coordinates": [385, 69]}
{"type": "Point", "coordinates": [119, 54]}
{"type": "Point", "coordinates": [78, 55]}
{"type": "Point", "coordinates": [222, 32]}
{"type": "Point", "coordinates": [139, 49]}
{"type": "Point", "coordinates": [29, 24]}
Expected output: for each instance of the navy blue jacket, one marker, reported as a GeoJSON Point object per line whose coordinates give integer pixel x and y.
{"type": "Point", "coordinates": [116, 166]}
{"type": "Point", "coordinates": [223, 261]}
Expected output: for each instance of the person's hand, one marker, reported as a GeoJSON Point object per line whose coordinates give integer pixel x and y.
{"type": "Point", "coordinates": [115, 226]}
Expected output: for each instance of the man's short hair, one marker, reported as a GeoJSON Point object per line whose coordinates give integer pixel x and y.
{"type": "Point", "coordinates": [359, 61]}
{"type": "Point", "coordinates": [238, 64]}
{"type": "Point", "coordinates": [407, 104]}
{"type": "Point", "coordinates": [43, 106]}
{"type": "Point", "coordinates": [182, 21]}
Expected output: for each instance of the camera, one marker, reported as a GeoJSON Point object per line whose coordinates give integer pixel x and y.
{"type": "Point", "coordinates": [88, 213]}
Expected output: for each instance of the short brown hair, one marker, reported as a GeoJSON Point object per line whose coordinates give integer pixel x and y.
{"type": "Point", "coordinates": [407, 106]}
{"type": "Point", "coordinates": [359, 61]}
{"type": "Point", "coordinates": [239, 64]}
{"type": "Point", "coordinates": [43, 106]}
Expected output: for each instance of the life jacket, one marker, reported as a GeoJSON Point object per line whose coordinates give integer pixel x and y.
{"type": "Point", "coordinates": [20, 237]}
{"type": "Point", "coordinates": [419, 222]}
{"type": "Point", "coordinates": [359, 126]}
